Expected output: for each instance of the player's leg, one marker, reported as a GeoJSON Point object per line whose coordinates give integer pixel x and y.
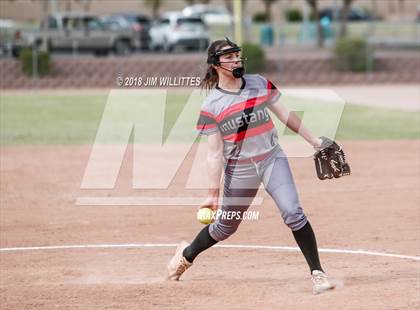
{"type": "Point", "coordinates": [278, 181]}
{"type": "Point", "coordinates": [240, 187]}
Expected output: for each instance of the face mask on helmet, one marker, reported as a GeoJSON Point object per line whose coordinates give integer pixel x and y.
{"type": "Point", "coordinates": [214, 59]}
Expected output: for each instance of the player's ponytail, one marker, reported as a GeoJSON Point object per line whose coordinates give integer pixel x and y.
{"type": "Point", "coordinates": [211, 78]}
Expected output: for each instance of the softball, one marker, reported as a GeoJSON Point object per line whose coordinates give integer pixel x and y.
{"type": "Point", "coordinates": [205, 215]}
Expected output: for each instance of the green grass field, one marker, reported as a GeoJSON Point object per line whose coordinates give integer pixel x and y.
{"type": "Point", "coordinates": [74, 119]}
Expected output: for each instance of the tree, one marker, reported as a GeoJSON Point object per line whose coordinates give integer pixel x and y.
{"type": "Point", "coordinates": [267, 6]}
{"type": "Point", "coordinates": [44, 10]}
{"type": "Point", "coordinates": [154, 5]}
{"type": "Point", "coordinates": [85, 4]}
{"type": "Point", "coordinates": [191, 2]}
{"type": "Point", "coordinates": [320, 32]}
{"type": "Point", "coordinates": [344, 13]}
{"type": "Point", "coordinates": [229, 7]}
{"type": "Point", "coordinates": [68, 6]}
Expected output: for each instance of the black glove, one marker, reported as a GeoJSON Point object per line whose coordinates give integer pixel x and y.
{"type": "Point", "coordinates": [330, 160]}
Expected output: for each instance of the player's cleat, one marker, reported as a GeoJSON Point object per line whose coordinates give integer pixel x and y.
{"type": "Point", "coordinates": [321, 283]}
{"type": "Point", "coordinates": [178, 263]}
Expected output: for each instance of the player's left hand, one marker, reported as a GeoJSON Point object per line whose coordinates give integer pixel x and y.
{"type": "Point", "coordinates": [330, 160]}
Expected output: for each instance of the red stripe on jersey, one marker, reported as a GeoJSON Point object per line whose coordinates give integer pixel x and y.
{"type": "Point", "coordinates": [240, 106]}
{"type": "Point", "coordinates": [272, 90]}
{"type": "Point", "coordinates": [206, 126]}
{"type": "Point", "coordinates": [235, 137]}
{"type": "Point", "coordinates": [207, 114]}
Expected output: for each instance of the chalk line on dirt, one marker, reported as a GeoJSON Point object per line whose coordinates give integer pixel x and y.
{"type": "Point", "coordinates": [229, 246]}
{"type": "Point", "coordinates": [136, 201]}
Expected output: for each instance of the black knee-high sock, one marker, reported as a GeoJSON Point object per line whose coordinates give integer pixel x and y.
{"type": "Point", "coordinates": [202, 242]}
{"type": "Point", "coordinates": [305, 238]}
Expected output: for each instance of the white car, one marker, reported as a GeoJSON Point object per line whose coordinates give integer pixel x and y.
{"type": "Point", "coordinates": [6, 35]}
{"type": "Point", "coordinates": [210, 14]}
{"type": "Point", "coordinates": [176, 30]}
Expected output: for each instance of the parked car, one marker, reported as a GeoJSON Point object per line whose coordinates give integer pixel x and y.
{"type": "Point", "coordinates": [210, 14]}
{"type": "Point", "coordinates": [77, 31]}
{"type": "Point", "coordinates": [7, 27]}
{"type": "Point", "coordinates": [175, 30]}
{"type": "Point", "coordinates": [354, 14]}
{"type": "Point", "coordinates": [138, 24]}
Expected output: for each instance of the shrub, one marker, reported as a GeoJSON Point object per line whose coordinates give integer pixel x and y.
{"type": "Point", "coordinates": [43, 61]}
{"type": "Point", "coordinates": [353, 54]}
{"type": "Point", "coordinates": [293, 15]}
{"type": "Point", "coordinates": [255, 57]}
{"type": "Point", "coordinates": [260, 17]}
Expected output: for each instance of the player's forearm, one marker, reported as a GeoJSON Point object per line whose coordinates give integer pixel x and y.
{"type": "Point", "coordinates": [214, 170]}
{"type": "Point", "coordinates": [309, 137]}
{"type": "Point", "coordinates": [214, 163]}
{"type": "Point", "coordinates": [296, 124]}
{"type": "Point", "coordinates": [292, 121]}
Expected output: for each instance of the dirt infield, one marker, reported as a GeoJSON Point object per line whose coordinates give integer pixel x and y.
{"type": "Point", "coordinates": [375, 209]}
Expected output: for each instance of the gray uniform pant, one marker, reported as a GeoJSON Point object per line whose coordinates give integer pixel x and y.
{"type": "Point", "coordinates": [241, 185]}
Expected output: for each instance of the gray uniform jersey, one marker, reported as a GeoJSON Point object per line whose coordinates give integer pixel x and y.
{"type": "Point", "coordinates": [248, 131]}
{"type": "Point", "coordinates": [241, 117]}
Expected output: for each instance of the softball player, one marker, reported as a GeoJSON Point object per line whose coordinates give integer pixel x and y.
{"type": "Point", "coordinates": [240, 130]}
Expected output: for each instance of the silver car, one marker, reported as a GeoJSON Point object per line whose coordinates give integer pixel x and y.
{"type": "Point", "coordinates": [137, 24]}
{"type": "Point", "coordinates": [77, 32]}
{"type": "Point", "coordinates": [174, 30]}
